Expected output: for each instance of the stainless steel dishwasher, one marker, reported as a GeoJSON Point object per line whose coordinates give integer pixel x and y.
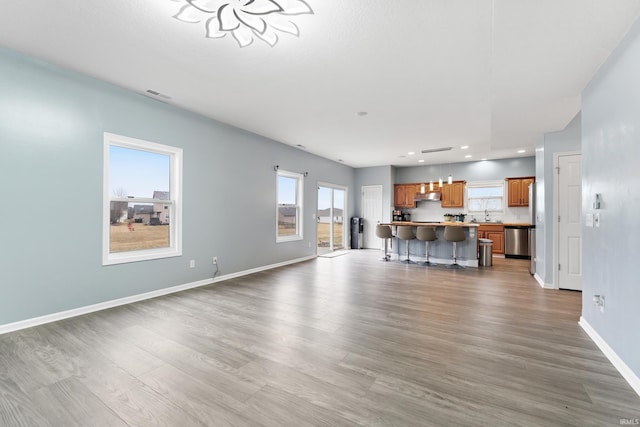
{"type": "Point", "coordinates": [516, 241]}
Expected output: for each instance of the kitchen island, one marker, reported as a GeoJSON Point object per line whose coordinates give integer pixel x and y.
{"type": "Point", "coordinates": [440, 251]}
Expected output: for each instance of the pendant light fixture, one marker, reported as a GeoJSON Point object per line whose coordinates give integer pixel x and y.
{"type": "Point", "coordinates": [450, 180]}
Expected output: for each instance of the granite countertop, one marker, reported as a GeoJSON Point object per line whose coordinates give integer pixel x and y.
{"type": "Point", "coordinates": [435, 224]}
{"type": "Point", "coordinates": [458, 224]}
{"type": "Point", "coordinates": [512, 224]}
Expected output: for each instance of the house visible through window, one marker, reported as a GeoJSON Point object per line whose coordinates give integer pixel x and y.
{"type": "Point", "coordinates": [289, 206]}
{"type": "Point", "coordinates": [485, 196]}
{"type": "Point", "coordinates": [141, 200]}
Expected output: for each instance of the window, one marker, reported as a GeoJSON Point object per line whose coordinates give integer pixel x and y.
{"type": "Point", "coordinates": [289, 206]}
{"type": "Point", "coordinates": [142, 201]}
{"type": "Point", "coordinates": [485, 196]}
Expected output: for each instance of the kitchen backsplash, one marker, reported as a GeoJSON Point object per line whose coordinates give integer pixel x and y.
{"type": "Point", "coordinates": [431, 211]}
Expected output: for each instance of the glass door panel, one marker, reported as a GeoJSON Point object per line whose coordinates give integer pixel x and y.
{"type": "Point", "coordinates": [338, 219]}
{"type": "Point", "coordinates": [323, 217]}
{"type": "Point", "coordinates": [330, 218]}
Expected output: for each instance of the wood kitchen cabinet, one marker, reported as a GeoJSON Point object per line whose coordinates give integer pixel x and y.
{"type": "Point", "coordinates": [495, 233]}
{"type": "Point", "coordinates": [453, 195]}
{"type": "Point", "coordinates": [518, 189]}
{"type": "Point", "coordinates": [404, 195]}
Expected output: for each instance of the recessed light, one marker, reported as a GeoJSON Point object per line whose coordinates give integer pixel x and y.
{"type": "Point", "coordinates": [362, 113]}
{"type": "Point", "coordinates": [421, 161]}
{"type": "Point", "coordinates": [464, 147]}
{"type": "Point", "coordinates": [468, 156]}
{"type": "Point", "coordinates": [411, 153]}
{"type": "Point", "coordinates": [484, 159]}
{"type": "Point", "coordinates": [522, 151]}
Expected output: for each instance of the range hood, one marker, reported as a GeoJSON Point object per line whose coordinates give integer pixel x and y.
{"type": "Point", "coordinates": [430, 196]}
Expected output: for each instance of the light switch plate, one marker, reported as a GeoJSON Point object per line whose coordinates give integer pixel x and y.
{"type": "Point", "coordinates": [588, 220]}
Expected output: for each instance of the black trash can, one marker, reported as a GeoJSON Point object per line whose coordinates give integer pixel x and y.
{"type": "Point", "coordinates": [357, 230]}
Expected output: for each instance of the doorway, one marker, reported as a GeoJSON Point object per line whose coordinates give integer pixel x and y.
{"type": "Point", "coordinates": [569, 221]}
{"type": "Point", "coordinates": [330, 218]}
{"type": "Point", "coordinates": [372, 215]}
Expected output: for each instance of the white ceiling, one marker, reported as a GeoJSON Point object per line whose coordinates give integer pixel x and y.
{"type": "Point", "coordinates": [491, 74]}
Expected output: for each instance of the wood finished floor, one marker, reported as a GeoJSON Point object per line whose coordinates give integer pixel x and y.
{"type": "Point", "coordinates": [338, 341]}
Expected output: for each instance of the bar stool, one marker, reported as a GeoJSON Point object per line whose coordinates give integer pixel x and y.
{"type": "Point", "coordinates": [426, 234]}
{"type": "Point", "coordinates": [455, 235]}
{"type": "Point", "coordinates": [384, 232]}
{"type": "Point", "coordinates": [405, 232]}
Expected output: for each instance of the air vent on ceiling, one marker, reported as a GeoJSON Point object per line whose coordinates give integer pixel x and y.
{"type": "Point", "coordinates": [157, 94]}
{"type": "Point", "coordinates": [436, 150]}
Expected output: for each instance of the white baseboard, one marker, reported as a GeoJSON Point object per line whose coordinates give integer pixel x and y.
{"type": "Point", "coordinates": [618, 363]}
{"type": "Point", "coordinates": [54, 317]}
{"type": "Point", "coordinates": [542, 283]}
{"type": "Point", "coordinates": [263, 268]}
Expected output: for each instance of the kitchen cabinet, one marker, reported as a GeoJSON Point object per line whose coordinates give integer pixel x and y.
{"type": "Point", "coordinates": [404, 195]}
{"type": "Point", "coordinates": [495, 233]}
{"type": "Point", "coordinates": [518, 189]}
{"type": "Point", "coordinates": [453, 195]}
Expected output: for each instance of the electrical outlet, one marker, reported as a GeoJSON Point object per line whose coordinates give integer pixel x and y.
{"type": "Point", "coordinates": [215, 260]}
{"type": "Point", "coordinates": [192, 263]}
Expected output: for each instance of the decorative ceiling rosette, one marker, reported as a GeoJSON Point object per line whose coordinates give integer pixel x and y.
{"type": "Point", "coordinates": [245, 20]}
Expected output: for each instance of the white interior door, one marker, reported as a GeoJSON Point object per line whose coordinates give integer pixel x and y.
{"type": "Point", "coordinates": [372, 214]}
{"type": "Point", "coordinates": [570, 222]}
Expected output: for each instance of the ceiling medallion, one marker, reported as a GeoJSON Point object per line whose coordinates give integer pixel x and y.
{"type": "Point", "coordinates": [244, 19]}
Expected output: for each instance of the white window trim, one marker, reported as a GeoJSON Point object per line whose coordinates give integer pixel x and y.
{"type": "Point", "coordinates": [484, 184]}
{"type": "Point", "coordinates": [299, 206]}
{"type": "Point", "coordinates": [175, 190]}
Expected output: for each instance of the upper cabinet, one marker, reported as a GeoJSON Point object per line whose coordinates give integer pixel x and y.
{"type": "Point", "coordinates": [518, 189]}
{"type": "Point", "coordinates": [404, 195]}
{"type": "Point", "coordinates": [453, 195]}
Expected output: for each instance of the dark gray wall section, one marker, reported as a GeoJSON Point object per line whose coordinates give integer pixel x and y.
{"type": "Point", "coordinates": [611, 154]}
{"type": "Point", "coordinates": [387, 176]}
{"type": "Point", "coordinates": [377, 175]}
{"type": "Point", "coordinates": [468, 171]}
{"type": "Point", "coordinates": [51, 141]}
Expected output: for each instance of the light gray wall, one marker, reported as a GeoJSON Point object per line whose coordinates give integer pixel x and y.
{"type": "Point", "coordinates": [567, 140]}
{"type": "Point", "coordinates": [611, 155]}
{"type": "Point", "coordinates": [469, 171]}
{"type": "Point", "coordinates": [378, 175]}
{"type": "Point", "coordinates": [51, 141]}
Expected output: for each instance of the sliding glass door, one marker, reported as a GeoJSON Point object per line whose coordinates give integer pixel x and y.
{"type": "Point", "coordinates": [330, 218]}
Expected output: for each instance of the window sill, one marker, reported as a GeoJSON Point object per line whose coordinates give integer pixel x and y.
{"type": "Point", "coordinates": [128, 257]}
